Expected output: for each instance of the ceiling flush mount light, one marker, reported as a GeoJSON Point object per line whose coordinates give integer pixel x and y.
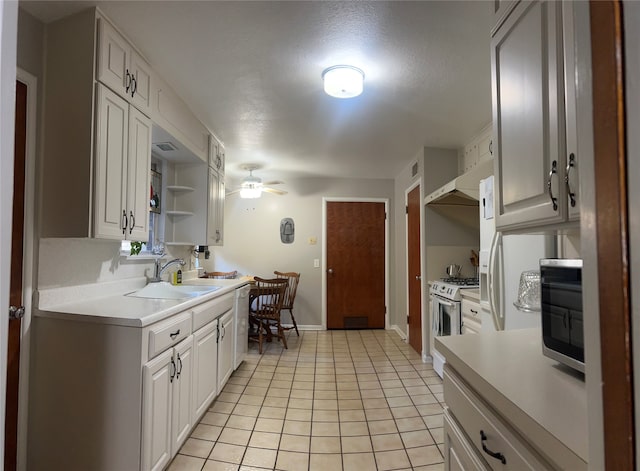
{"type": "Point", "coordinates": [343, 81]}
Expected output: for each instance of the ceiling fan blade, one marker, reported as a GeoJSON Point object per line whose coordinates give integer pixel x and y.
{"type": "Point", "coordinates": [233, 192]}
{"type": "Point", "coordinates": [274, 182]}
{"type": "Point", "coordinates": [274, 191]}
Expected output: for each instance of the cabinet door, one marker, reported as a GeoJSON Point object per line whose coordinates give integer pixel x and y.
{"type": "Point", "coordinates": [139, 166]}
{"type": "Point", "coordinates": [215, 212]}
{"type": "Point", "coordinates": [570, 97]}
{"type": "Point", "coordinates": [141, 72]}
{"type": "Point", "coordinates": [113, 59]}
{"type": "Point", "coordinates": [225, 349]}
{"type": "Point", "coordinates": [459, 454]}
{"type": "Point", "coordinates": [112, 127]}
{"type": "Point", "coordinates": [157, 388]}
{"type": "Point", "coordinates": [182, 416]}
{"type": "Point", "coordinates": [527, 106]}
{"type": "Point", "coordinates": [205, 357]}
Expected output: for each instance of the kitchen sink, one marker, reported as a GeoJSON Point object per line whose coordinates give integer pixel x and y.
{"type": "Point", "coordinates": [164, 290]}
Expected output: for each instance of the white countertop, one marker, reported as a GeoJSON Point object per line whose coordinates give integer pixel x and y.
{"type": "Point", "coordinates": [106, 303]}
{"type": "Point", "coordinates": [471, 293]}
{"type": "Point", "coordinates": [545, 401]}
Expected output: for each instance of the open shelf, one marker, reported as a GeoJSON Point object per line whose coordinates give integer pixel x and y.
{"type": "Point", "coordinates": [180, 188]}
{"type": "Point", "coordinates": [180, 213]}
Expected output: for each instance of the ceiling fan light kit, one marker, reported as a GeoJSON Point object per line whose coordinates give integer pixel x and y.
{"type": "Point", "coordinates": [343, 81]}
{"type": "Point", "coordinates": [250, 192]}
{"type": "Point", "coordinates": [252, 187]}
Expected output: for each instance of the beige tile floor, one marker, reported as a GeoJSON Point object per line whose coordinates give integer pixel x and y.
{"type": "Point", "coordinates": [335, 400]}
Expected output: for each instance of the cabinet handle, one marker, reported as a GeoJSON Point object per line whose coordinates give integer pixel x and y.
{"type": "Point", "coordinates": [173, 372]}
{"type": "Point", "coordinates": [134, 85]}
{"type": "Point", "coordinates": [173, 335]}
{"type": "Point", "coordinates": [491, 146]}
{"type": "Point", "coordinates": [180, 365]}
{"type": "Point", "coordinates": [493, 454]}
{"type": "Point", "coordinates": [475, 313]}
{"type": "Point", "coordinates": [218, 334]}
{"type": "Point", "coordinates": [132, 221]}
{"type": "Point", "coordinates": [570, 165]}
{"type": "Point", "coordinates": [217, 235]}
{"type": "Point", "coordinates": [552, 172]}
{"type": "Point", "coordinates": [127, 81]}
{"type": "Point", "coordinates": [124, 221]}
{"type": "Point", "coordinates": [224, 331]}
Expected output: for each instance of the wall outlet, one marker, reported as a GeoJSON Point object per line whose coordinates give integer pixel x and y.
{"type": "Point", "coordinates": [316, 263]}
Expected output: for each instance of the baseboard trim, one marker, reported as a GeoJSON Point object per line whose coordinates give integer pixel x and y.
{"type": "Point", "coordinates": [402, 335]}
{"type": "Point", "coordinates": [304, 327]}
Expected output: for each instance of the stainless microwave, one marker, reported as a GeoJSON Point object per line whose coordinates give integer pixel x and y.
{"type": "Point", "coordinates": [561, 308]}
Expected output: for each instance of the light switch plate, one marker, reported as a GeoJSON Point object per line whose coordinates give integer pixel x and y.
{"type": "Point", "coordinates": [316, 263]}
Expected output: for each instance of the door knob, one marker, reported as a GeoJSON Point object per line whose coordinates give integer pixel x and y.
{"type": "Point", "coordinates": [330, 271]}
{"type": "Point", "coordinates": [418, 277]}
{"type": "Point", "coordinates": [16, 312]}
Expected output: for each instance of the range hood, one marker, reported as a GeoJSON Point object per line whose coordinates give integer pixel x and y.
{"type": "Point", "coordinates": [464, 190]}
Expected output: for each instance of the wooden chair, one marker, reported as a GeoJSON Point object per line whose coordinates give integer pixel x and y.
{"type": "Point", "coordinates": [266, 303]}
{"type": "Point", "coordinates": [222, 275]}
{"type": "Point", "coordinates": [290, 295]}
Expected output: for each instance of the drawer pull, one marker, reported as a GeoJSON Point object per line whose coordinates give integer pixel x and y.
{"type": "Point", "coordinates": [498, 456]}
{"type": "Point", "coordinates": [474, 312]}
{"type": "Point", "coordinates": [173, 335]}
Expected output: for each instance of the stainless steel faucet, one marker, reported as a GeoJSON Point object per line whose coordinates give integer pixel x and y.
{"type": "Point", "coordinates": [159, 270]}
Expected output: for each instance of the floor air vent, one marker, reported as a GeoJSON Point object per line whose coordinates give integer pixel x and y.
{"type": "Point", "coordinates": [356, 322]}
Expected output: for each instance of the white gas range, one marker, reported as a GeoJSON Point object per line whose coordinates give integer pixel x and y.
{"type": "Point", "coordinates": [446, 318]}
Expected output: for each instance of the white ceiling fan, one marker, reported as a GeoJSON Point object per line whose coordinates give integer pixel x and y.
{"type": "Point", "coordinates": [252, 187]}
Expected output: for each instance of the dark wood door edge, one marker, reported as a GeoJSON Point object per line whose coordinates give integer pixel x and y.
{"type": "Point", "coordinates": [612, 233]}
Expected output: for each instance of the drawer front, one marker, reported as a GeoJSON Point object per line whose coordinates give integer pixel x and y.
{"type": "Point", "coordinates": [206, 312]}
{"type": "Point", "coordinates": [471, 325]}
{"type": "Point", "coordinates": [167, 334]}
{"type": "Point", "coordinates": [459, 453]}
{"type": "Point", "coordinates": [477, 421]}
{"type": "Point", "coordinates": [470, 309]}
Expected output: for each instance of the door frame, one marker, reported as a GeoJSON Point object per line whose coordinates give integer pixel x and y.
{"type": "Point", "coordinates": [28, 260]}
{"type": "Point", "coordinates": [8, 52]}
{"type": "Point", "coordinates": [423, 311]}
{"type": "Point", "coordinates": [330, 199]}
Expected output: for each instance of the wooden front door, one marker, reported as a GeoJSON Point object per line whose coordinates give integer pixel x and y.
{"type": "Point", "coordinates": [355, 265]}
{"type": "Point", "coordinates": [414, 284]}
{"type": "Point", "coordinates": [15, 287]}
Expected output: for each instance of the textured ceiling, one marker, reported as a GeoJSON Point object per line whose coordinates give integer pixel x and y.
{"type": "Point", "coordinates": [251, 71]}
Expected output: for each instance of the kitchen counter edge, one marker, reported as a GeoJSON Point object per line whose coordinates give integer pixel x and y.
{"type": "Point", "coordinates": [519, 385]}
{"type": "Point", "coordinates": [112, 307]}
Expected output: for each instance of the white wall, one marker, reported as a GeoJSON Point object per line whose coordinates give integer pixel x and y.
{"type": "Point", "coordinates": [252, 236]}
{"type": "Point", "coordinates": [8, 45]}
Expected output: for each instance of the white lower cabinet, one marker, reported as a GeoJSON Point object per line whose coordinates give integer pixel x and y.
{"type": "Point", "coordinates": [476, 438]}
{"type": "Point", "coordinates": [225, 349]}
{"type": "Point", "coordinates": [182, 417]}
{"type": "Point", "coordinates": [157, 402]}
{"type": "Point", "coordinates": [205, 355]}
{"type": "Point", "coordinates": [127, 397]}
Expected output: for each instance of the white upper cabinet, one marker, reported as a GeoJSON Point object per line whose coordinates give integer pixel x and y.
{"type": "Point", "coordinates": [122, 69]}
{"type": "Point", "coordinates": [172, 114]}
{"type": "Point", "coordinates": [123, 159]}
{"type": "Point", "coordinates": [215, 211]}
{"type": "Point", "coordinates": [529, 118]}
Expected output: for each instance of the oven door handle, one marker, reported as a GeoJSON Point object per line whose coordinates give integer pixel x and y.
{"type": "Point", "coordinates": [445, 303]}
